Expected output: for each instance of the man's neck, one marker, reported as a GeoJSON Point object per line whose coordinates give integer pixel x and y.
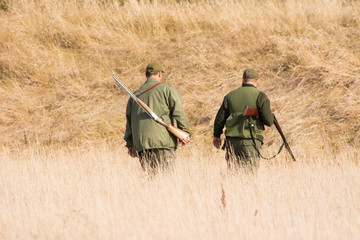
{"type": "Point", "coordinates": [157, 79]}
{"type": "Point", "coordinates": [250, 83]}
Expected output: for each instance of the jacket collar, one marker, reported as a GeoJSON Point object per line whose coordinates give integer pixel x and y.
{"type": "Point", "coordinates": [248, 85]}
{"type": "Point", "coordinates": [151, 80]}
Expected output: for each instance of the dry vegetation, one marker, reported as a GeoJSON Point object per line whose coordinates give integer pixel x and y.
{"type": "Point", "coordinates": [63, 169]}
{"type": "Point", "coordinates": [57, 59]}
{"type": "Point", "coordinates": [102, 194]}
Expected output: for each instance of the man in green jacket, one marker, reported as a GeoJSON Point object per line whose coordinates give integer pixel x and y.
{"type": "Point", "coordinates": [240, 147]}
{"type": "Point", "coordinates": [151, 142]}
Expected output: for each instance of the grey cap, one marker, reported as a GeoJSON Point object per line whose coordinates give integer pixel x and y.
{"type": "Point", "coordinates": [154, 67]}
{"type": "Point", "coordinates": [250, 74]}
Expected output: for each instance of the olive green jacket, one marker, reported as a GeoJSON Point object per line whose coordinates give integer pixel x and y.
{"type": "Point", "coordinates": [142, 132]}
{"type": "Point", "coordinates": [230, 113]}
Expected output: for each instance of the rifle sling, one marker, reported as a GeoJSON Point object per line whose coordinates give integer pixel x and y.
{"type": "Point", "coordinates": [138, 94]}
{"type": "Point", "coordinates": [252, 138]}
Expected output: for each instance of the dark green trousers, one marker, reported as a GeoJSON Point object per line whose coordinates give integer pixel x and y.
{"type": "Point", "coordinates": [153, 160]}
{"type": "Point", "coordinates": [241, 153]}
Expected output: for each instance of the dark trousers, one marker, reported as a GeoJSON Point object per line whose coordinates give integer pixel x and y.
{"type": "Point", "coordinates": [153, 160]}
{"type": "Point", "coordinates": [241, 153]}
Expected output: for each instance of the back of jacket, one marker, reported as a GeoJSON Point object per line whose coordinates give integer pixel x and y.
{"type": "Point", "coordinates": [230, 113]}
{"type": "Point", "coordinates": [144, 133]}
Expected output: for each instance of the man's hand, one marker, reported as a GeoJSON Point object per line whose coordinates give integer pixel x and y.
{"type": "Point", "coordinates": [131, 151]}
{"type": "Point", "coordinates": [185, 140]}
{"type": "Point", "coordinates": [217, 142]}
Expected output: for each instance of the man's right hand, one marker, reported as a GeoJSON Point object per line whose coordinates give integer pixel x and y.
{"type": "Point", "coordinates": [217, 142]}
{"type": "Point", "coordinates": [131, 151]}
{"type": "Point", "coordinates": [185, 141]}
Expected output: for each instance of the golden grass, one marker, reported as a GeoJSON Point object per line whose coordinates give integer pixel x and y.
{"type": "Point", "coordinates": [57, 59]}
{"type": "Point", "coordinates": [100, 193]}
{"type": "Point", "coordinates": [57, 96]}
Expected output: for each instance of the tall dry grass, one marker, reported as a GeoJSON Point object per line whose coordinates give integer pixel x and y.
{"type": "Point", "coordinates": [63, 168]}
{"type": "Point", "coordinates": [57, 59]}
{"type": "Point", "coordinates": [100, 193]}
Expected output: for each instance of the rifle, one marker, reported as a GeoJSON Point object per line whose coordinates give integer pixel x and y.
{"type": "Point", "coordinates": [180, 134]}
{"type": "Point", "coordinates": [249, 111]}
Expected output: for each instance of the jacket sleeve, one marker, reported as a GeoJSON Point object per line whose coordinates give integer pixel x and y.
{"type": "Point", "coordinates": [221, 118]}
{"type": "Point", "coordinates": [176, 110]}
{"type": "Point", "coordinates": [263, 105]}
{"type": "Point", "coordinates": [128, 132]}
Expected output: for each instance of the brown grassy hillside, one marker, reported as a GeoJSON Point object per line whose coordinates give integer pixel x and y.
{"type": "Point", "coordinates": [57, 59]}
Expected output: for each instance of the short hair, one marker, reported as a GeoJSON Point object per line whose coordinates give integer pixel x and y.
{"type": "Point", "coordinates": [149, 74]}
{"type": "Point", "coordinates": [249, 80]}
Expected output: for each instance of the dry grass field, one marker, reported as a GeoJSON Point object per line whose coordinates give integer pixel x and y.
{"type": "Point", "coordinates": [101, 193]}
{"type": "Point", "coordinates": [64, 172]}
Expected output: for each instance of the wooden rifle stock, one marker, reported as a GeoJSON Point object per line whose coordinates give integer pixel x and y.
{"type": "Point", "coordinates": [249, 111]}
{"type": "Point", "coordinates": [180, 134]}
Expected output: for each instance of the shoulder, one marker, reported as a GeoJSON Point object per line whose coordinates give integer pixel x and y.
{"type": "Point", "coordinates": [238, 91]}
{"type": "Point", "coordinates": [233, 92]}
{"type": "Point", "coordinates": [168, 88]}
{"type": "Point", "coordinates": [262, 98]}
{"type": "Point", "coordinates": [167, 85]}
{"type": "Point", "coordinates": [262, 95]}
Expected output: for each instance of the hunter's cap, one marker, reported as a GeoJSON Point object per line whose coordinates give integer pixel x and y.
{"type": "Point", "coordinates": [154, 67]}
{"type": "Point", "coordinates": [250, 74]}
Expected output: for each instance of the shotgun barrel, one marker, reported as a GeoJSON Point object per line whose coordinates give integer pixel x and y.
{"type": "Point", "coordinates": [136, 99]}
{"type": "Point", "coordinates": [284, 139]}
{"type": "Point", "coordinates": [249, 111]}
{"type": "Point", "coordinates": [180, 134]}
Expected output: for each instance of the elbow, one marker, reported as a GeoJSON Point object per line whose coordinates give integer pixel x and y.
{"type": "Point", "coordinates": [269, 124]}
{"type": "Point", "coordinates": [268, 121]}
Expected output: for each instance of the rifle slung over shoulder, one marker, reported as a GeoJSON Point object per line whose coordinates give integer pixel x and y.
{"type": "Point", "coordinates": [252, 112]}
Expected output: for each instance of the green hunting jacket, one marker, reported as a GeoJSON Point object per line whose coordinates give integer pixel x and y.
{"type": "Point", "coordinates": [144, 133]}
{"type": "Point", "coordinates": [230, 113]}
